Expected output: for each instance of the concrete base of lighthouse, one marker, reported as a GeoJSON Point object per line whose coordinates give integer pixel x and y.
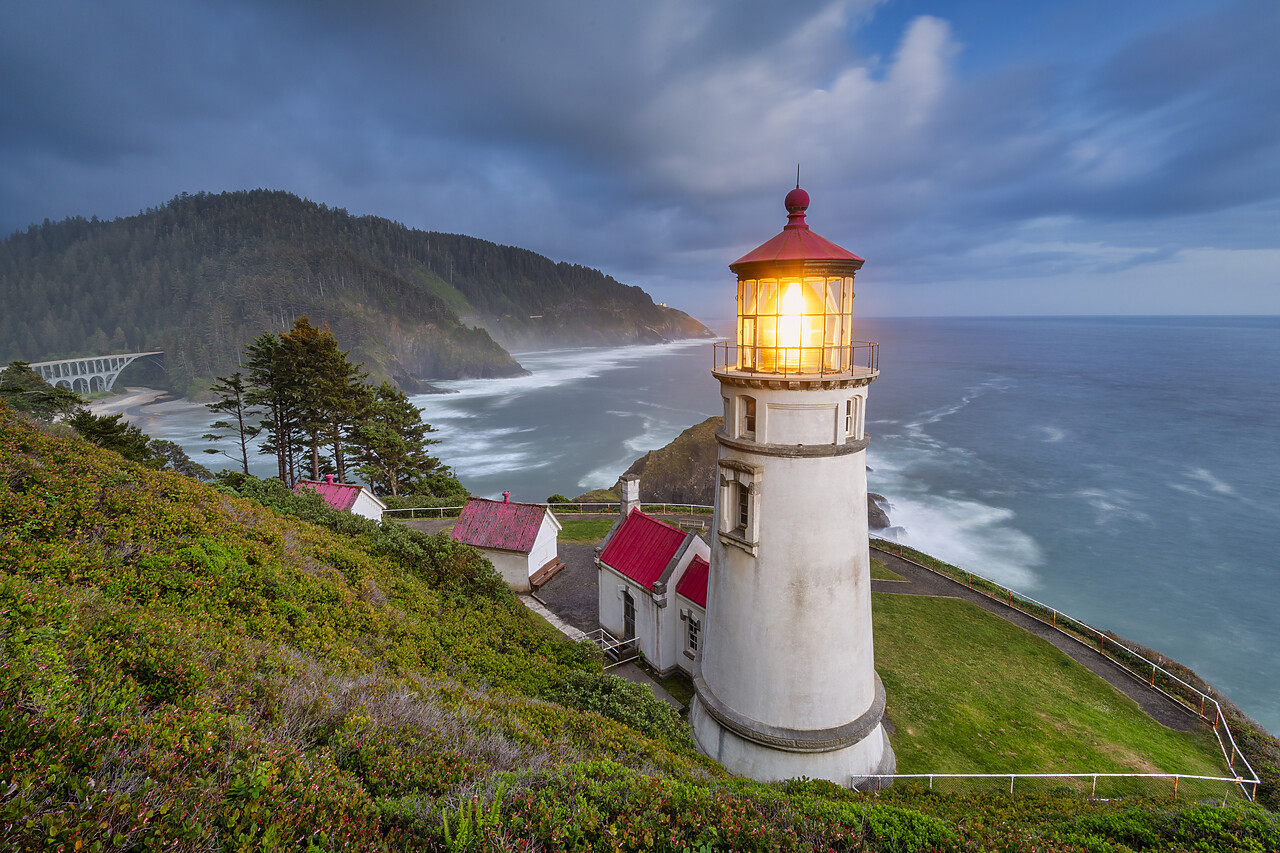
{"type": "Point", "coordinates": [849, 755]}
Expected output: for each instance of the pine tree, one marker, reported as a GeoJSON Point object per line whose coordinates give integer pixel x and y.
{"type": "Point", "coordinates": [273, 388]}
{"type": "Point", "coordinates": [329, 390]}
{"type": "Point", "coordinates": [113, 433]}
{"type": "Point", "coordinates": [391, 444]}
{"type": "Point", "coordinates": [232, 393]}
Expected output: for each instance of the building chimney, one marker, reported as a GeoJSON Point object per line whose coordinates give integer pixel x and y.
{"type": "Point", "coordinates": [506, 497]}
{"type": "Point", "coordinates": [628, 494]}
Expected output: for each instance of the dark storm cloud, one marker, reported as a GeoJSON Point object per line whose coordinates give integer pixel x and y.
{"type": "Point", "coordinates": [655, 139]}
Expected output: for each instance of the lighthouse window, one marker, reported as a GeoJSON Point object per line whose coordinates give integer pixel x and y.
{"type": "Point", "coordinates": [851, 416]}
{"type": "Point", "coordinates": [748, 417]}
{"type": "Point", "coordinates": [695, 629]}
{"type": "Point", "coordinates": [738, 504]}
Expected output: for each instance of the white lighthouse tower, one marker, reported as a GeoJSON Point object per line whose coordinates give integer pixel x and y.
{"type": "Point", "coordinates": [785, 680]}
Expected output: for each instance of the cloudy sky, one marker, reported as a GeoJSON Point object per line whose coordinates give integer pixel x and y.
{"type": "Point", "coordinates": [986, 157]}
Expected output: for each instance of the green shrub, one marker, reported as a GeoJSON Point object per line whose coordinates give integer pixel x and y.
{"type": "Point", "coordinates": [618, 699]}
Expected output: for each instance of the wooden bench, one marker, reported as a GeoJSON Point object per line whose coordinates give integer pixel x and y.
{"type": "Point", "coordinates": [545, 573]}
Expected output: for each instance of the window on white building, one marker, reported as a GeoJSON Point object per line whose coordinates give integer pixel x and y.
{"type": "Point", "coordinates": [851, 417]}
{"type": "Point", "coordinates": [695, 632]}
{"type": "Point", "coordinates": [747, 405]}
{"type": "Point", "coordinates": [739, 503]}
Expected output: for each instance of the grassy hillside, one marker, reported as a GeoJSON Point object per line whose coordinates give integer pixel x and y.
{"type": "Point", "coordinates": [202, 275]}
{"type": "Point", "coordinates": [971, 693]}
{"type": "Point", "coordinates": [185, 669]}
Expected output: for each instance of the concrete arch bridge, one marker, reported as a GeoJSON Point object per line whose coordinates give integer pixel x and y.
{"type": "Point", "coordinates": [89, 374]}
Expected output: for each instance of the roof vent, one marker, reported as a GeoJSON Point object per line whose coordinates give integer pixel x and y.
{"type": "Point", "coordinates": [329, 479]}
{"type": "Point", "coordinates": [506, 497]}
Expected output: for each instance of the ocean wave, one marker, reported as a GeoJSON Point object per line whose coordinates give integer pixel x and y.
{"type": "Point", "coordinates": [1112, 505]}
{"type": "Point", "coordinates": [1204, 475]}
{"type": "Point", "coordinates": [968, 534]}
{"type": "Point", "coordinates": [1050, 434]}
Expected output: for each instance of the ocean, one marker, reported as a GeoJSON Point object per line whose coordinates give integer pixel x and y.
{"type": "Point", "coordinates": [1125, 470]}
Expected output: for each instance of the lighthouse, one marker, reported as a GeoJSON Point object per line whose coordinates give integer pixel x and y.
{"type": "Point", "coordinates": [785, 681]}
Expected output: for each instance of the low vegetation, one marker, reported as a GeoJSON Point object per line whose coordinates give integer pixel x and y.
{"type": "Point", "coordinates": [232, 667]}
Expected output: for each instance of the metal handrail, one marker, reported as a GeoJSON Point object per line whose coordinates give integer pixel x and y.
{"type": "Point", "coordinates": [609, 644]}
{"type": "Point", "coordinates": [1176, 777]}
{"type": "Point", "coordinates": [856, 358]}
{"type": "Point", "coordinates": [1008, 600]}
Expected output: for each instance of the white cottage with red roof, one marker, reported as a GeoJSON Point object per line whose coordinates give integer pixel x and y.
{"type": "Point", "coordinates": [519, 539]}
{"type": "Point", "coordinates": [347, 497]}
{"type": "Point", "coordinates": [653, 589]}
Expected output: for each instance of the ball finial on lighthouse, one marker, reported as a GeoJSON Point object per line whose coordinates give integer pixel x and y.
{"type": "Point", "coordinates": [785, 681]}
{"type": "Point", "coordinates": [797, 202]}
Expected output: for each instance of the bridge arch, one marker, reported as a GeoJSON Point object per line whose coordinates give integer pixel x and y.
{"type": "Point", "coordinates": [88, 374]}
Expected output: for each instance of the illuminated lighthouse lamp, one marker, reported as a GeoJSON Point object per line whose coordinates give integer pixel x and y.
{"type": "Point", "coordinates": [795, 304]}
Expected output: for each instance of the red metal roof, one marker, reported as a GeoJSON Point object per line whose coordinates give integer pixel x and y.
{"type": "Point", "coordinates": [505, 525]}
{"type": "Point", "coordinates": [693, 584]}
{"type": "Point", "coordinates": [642, 547]}
{"type": "Point", "coordinates": [796, 242]}
{"type": "Point", "coordinates": [337, 495]}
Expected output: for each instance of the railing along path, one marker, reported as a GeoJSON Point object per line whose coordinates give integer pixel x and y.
{"type": "Point", "coordinates": [1108, 647]}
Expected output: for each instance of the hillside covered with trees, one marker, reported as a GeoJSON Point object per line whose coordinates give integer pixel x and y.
{"type": "Point", "coordinates": [203, 275]}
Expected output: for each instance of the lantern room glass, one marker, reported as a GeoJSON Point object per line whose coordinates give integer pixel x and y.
{"type": "Point", "coordinates": [798, 324]}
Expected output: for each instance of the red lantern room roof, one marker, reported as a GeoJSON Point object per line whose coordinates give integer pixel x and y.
{"type": "Point", "coordinates": [796, 242]}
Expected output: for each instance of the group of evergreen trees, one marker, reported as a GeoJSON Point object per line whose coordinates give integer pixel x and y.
{"type": "Point", "coordinates": [319, 415]}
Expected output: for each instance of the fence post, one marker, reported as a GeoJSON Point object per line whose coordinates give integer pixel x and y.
{"type": "Point", "coordinates": [1175, 787]}
{"type": "Point", "coordinates": [1011, 778]}
{"type": "Point", "coordinates": [1153, 675]}
{"type": "Point", "coordinates": [1094, 793]}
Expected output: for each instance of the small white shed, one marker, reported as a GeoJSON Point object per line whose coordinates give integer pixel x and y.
{"type": "Point", "coordinates": [347, 497]}
{"type": "Point", "coordinates": [518, 538]}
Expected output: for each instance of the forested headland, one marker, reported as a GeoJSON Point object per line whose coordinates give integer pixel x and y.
{"type": "Point", "coordinates": [203, 275]}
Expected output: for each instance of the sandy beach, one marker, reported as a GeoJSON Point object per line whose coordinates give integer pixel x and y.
{"type": "Point", "coordinates": [141, 405]}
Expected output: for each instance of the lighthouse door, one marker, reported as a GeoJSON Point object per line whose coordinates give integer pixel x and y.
{"type": "Point", "coordinates": [628, 616]}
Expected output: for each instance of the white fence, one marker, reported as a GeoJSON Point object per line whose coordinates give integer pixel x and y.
{"type": "Point", "coordinates": [569, 508]}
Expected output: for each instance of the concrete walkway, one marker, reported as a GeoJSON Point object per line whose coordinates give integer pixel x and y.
{"type": "Point", "coordinates": [537, 607]}
{"type": "Point", "coordinates": [920, 581]}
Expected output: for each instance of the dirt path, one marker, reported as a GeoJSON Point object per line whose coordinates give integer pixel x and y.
{"type": "Point", "coordinates": [920, 581]}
